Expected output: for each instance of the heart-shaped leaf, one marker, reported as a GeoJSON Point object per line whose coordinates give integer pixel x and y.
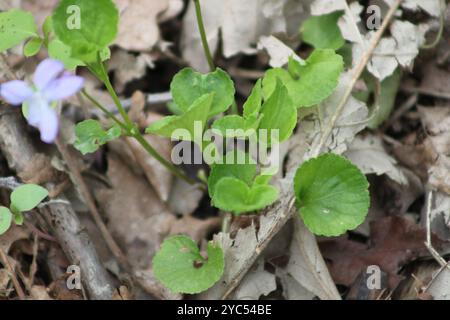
{"type": "Point", "coordinates": [86, 26]}
{"type": "Point", "coordinates": [236, 196]}
{"type": "Point", "coordinates": [181, 268]}
{"type": "Point", "coordinates": [5, 219]}
{"type": "Point", "coordinates": [32, 47]}
{"type": "Point", "coordinates": [15, 27]}
{"type": "Point", "coordinates": [27, 197]}
{"type": "Point", "coordinates": [187, 86]}
{"type": "Point", "coordinates": [185, 126]}
{"type": "Point", "coordinates": [311, 82]}
{"type": "Point", "coordinates": [332, 195]}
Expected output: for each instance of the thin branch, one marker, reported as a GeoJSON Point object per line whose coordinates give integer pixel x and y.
{"type": "Point", "coordinates": [356, 74]}
{"type": "Point", "coordinates": [12, 273]}
{"type": "Point", "coordinates": [87, 197]}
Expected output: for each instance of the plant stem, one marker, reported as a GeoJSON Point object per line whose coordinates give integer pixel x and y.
{"type": "Point", "coordinates": [169, 166]}
{"type": "Point", "coordinates": [130, 128]}
{"type": "Point", "coordinates": [104, 110]}
{"type": "Point", "coordinates": [201, 28]}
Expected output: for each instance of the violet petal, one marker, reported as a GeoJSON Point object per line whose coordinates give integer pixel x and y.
{"type": "Point", "coordinates": [47, 71]}
{"type": "Point", "coordinates": [15, 92]}
{"type": "Point", "coordinates": [63, 87]}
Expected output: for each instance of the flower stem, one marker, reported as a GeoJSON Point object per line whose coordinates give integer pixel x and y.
{"type": "Point", "coordinates": [131, 129]}
{"type": "Point", "coordinates": [104, 110]}
{"type": "Point", "coordinates": [201, 28]}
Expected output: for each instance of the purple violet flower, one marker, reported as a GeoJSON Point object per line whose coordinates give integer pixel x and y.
{"type": "Point", "coordinates": [51, 83]}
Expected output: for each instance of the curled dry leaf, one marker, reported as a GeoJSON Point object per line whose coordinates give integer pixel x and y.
{"type": "Point", "coordinates": [278, 52]}
{"type": "Point", "coordinates": [399, 49]}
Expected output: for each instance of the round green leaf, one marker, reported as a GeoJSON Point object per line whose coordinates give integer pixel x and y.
{"type": "Point", "coordinates": [86, 26]}
{"type": "Point", "coordinates": [322, 32]}
{"type": "Point", "coordinates": [5, 219]}
{"type": "Point", "coordinates": [236, 196]}
{"type": "Point", "coordinates": [187, 86]}
{"type": "Point", "coordinates": [181, 268]}
{"type": "Point", "coordinates": [27, 197]}
{"type": "Point", "coordinates": [15, 27]}
{"type": "Point", "coordinates": [332, 195]}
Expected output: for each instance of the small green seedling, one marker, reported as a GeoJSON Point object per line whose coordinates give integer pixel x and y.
{"type": "Point", "coordinates": [23, 198]}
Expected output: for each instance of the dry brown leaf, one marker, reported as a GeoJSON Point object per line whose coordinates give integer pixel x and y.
{"type": "Point", "coordinates": [127, 67]}
{"type": "Point", "coordinates": [184, 198]}
{"type": "Point", "coordinates": [394, 242]}
{"type": "Point", "coordinates": [195, 228]}
{"type": "Point", "coordinates": [437, 122]}
{"type": "Point", "coordinates": [136, 216]}
{"type": "Point", "coordinates": [225, 17]}
{"type": "Point", "coordinates": [138, 29]}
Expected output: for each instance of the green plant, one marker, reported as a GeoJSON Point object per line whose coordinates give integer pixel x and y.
{"type": "Point", "coordinates": [331, 193]}
{"type": "Point", "coordinates": [23, 199]}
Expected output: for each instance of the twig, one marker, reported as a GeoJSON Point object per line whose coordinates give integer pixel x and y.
{"type": "Point", "coordinates": [441, 27]}
{"type": "Point", "coordinates": [356, 74]}
{"type": "Point", "coordinates": [12, 273]}
{"type": "Point", "coordinates": [86, 194]}
{"type": "Point", "coordinates": [428, 243]}
{"type": "Point", "coordinates": [283, 209]}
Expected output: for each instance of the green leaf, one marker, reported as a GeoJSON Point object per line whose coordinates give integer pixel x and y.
{"type": "Point", "coordinates": [5, 219]}
{"type": "Point", "coordinates": [59, 51]}
{"type": "Point", "coordinates": [279, 113]}
{"type": "Point", "coordinates": [15, 27]}
{"type": "Point", "coordinates": [234, 195]}
{"type": "Point", "coordinates": [86, 26]}
{"type": "Point", "coordinates": [232, 126]}
{"type": "Point", "coordinates": [253, 104]}
{"type": "Point", "coordinates": [90, 135]}
{"type": "Point", "coordinates": [387, 96]}
{"type": "Point", "coordinates": [47, 27]}
{"type": "Point", "coordinates": [312, 82]}
{"type": "Point", "coordinates": [332, 195]}
{"type": "Point", "coordinates": [322, 32]}
{"type": "Point", "coordinates": [172, 125]}
{"type": "Point", "coordinates": [236, 164]}
{"type": "Point", "coordinates": [32, 47]}
{"type": "Point", "coordinates": [27, 197]}
{"type": "Point", "coordinates": [187, 86]}
{"type": "Point", "coordinates": [181, 268]}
